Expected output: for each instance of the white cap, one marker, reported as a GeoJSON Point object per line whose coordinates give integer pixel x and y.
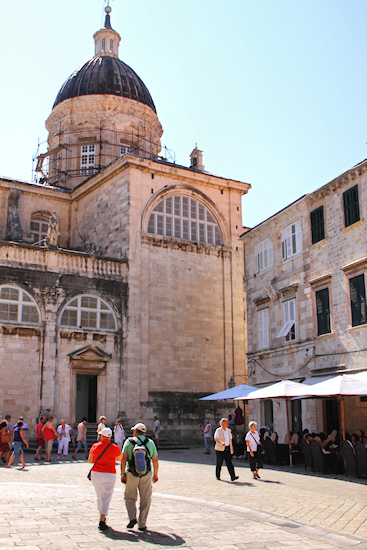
{"type": "Point", "coordinates": [106, 432]}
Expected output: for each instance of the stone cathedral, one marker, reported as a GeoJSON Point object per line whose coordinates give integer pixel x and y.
{"type": "Point", "coordinates": [121, 274]}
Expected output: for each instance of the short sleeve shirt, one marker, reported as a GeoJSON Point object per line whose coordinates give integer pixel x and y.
{"type": "Point", "coordinates": [252, 440]}
{"type": "Point", "coordinates": [107, 462]}
{"type": "Point", "coordinates": [129, 446]}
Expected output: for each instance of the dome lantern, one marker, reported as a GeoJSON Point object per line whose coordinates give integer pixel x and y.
{"type": "Point", "coordinates": [107, 40]}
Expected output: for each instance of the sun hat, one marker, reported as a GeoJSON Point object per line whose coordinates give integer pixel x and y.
{"type": "Point", "coordinates": [139, 426]}
{"type": "Point", "coordinates": [106, 432]}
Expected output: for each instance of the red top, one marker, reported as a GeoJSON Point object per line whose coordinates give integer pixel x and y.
{"type": "Point", "coordinates": [48, 434]}
{"type": "Point", "coordinates": [39, 430]}
{"type": "Point", "coordinates": [107, 462]}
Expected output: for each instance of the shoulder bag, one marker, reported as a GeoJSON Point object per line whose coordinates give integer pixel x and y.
{"type": "Point", "coordinates": [89, 476]}
{"type": "Point", "coordinates": [260, 448]}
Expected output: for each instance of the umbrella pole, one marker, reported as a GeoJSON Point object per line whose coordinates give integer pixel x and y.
{"type": "Point", "coordinates": [343, 417]}
{"type": "Point", "coordinates": [289, 434]}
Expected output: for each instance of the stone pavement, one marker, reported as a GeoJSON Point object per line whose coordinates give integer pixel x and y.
{"type": "Point", "coordinates": [54, 506]}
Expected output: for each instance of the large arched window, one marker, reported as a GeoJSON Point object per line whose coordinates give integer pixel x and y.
{"type": "Point", "coordinates": [89, 312]}
{"type": "Point", "coordinates": [17, 306]}
{"type": "Point", "coordinates": [185, 218]}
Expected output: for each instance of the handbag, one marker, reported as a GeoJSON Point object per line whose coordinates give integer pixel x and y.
{"type": "Point", "coordinates": [5, 438]}
{"type": "Point", "coordinates": [260, 448]}
{"type": "Point", "coordinates": [89, 476]}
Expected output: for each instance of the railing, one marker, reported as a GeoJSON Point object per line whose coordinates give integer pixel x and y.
{"type": "Point", "coordinates": [57, 260]}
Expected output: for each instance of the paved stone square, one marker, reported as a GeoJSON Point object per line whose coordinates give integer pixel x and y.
{"type": "Point", "coordinates": [54, 506]}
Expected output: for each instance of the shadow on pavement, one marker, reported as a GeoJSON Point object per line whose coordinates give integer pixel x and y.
{"type": "Point", "coordinates": [153, 537]}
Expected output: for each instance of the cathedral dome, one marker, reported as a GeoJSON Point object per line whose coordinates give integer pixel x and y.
{"type": "Point", "coordinates": [103, 75]}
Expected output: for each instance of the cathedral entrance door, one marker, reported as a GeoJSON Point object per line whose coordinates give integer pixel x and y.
{"type": "Point", "coordinates": [86, 397]}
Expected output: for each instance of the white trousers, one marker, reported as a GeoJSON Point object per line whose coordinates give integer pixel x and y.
{"type": "Point", "coordinates": [63, 446]}
{"type": "Point", "coordinates": [104, 484]}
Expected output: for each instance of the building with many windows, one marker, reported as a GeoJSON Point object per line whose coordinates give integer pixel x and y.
{"type": "Point", "coordinates": [121, 274]}
{"type": "Point", "coordinates": [306, 275]}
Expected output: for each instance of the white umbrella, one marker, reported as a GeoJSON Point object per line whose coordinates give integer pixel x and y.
{"type": "Point", "coordinates": [285, 390]}
{"type": "Point", "coordinates": [339, 386]}
{"type": "Point", "coordinates": [231, 393]}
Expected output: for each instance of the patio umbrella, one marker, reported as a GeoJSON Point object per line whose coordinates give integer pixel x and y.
{"type": "Point", "coordinates": [339, 386]}
{"type": "Point", "coordinates": [285, 389]}
{"type": "Point", "coordinates": [231, 393]}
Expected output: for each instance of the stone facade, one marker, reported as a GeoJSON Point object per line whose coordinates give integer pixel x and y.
{"type": "Point", "coordinates": [311, 266]}
{"type": "Point", "coordinates": [135, 308]}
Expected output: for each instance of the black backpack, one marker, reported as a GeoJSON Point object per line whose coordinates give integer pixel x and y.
{"type": "Point", "coordinates": [139, 464]}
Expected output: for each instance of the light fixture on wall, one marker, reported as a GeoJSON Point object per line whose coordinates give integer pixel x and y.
{"type": "Point", "coordinates": [231, 383]}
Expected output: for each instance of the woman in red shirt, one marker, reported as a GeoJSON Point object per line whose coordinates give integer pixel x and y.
{"type": "Point", "coordinates": [104, 472]}
{"type": "Point", "coordinates": [49, 433]}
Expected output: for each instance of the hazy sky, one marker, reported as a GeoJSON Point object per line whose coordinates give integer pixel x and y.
{"type": "Point", "coordinates": [273, 92]}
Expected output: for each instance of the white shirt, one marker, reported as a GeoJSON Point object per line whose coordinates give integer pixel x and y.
{"type": "Point", "coordinates": [64, 432]}
{"type": "Point", "coordinates": [157, 427]}
{"type": "Point", "coordinates": [208, 430]}
{"type": "Point", "coordinates": [226, 436]}
{"type": "Point", "coordinates": [119, 433]}
{"type": "Point", "coordinates": [252, 440]}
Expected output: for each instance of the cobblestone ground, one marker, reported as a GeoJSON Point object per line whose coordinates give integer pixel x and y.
{"type": "Point", "coordinates": [54, 506]}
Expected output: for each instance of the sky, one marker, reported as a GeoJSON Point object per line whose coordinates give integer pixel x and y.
{"type": "Point", "coordinates": [274, 93]}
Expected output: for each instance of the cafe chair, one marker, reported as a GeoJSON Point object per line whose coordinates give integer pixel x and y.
{"type": "Point", "coordinates": [350, 462]}
{"type": "Point", "coordinates": [305, 447]}
{"type": "Point", "coordinates": [361, 458]}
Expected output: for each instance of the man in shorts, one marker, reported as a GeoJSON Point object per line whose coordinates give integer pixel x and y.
{"type": "Point", "coordinates": [82, 438]}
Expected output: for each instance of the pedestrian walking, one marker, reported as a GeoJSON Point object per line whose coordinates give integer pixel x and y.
{"type": "Point", "coordinates": [49, 433]}
{"type": "Point", "coordinates": [224, 449]}
{"type": "Point", "coordinates": [103, 474]}
{"type": "Point", "coordinates": [207, 433]}
{"type": "Point", "coordinates": [5, 439]}
{"type": "Point", "coordinates": [255, 449]}
{"type": "Point", "coordinates": [101, 425]}
{"type": "Point", "coordinates": [119, 433]}
{"type": "Point", "coordinates": [40, 442]}
{"type": "Point", "coordinates": [64, 431]}
{"type": "Point", "coordinates": [137, 476]}
{"type": "Point", "coordinates": [17, 445]}
{"type": "Point", "coordinates": [82, 438]}
{"type": "Point", "coordinates": [156, 431]}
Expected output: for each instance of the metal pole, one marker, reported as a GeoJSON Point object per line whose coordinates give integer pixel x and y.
{"type": "Point", "coordinates": [289, 433]}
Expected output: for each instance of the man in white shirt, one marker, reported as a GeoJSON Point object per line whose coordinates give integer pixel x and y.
{"type": "Point", "coordinates": [207, 433]}
{"type": "Point", "coordinates": [224, 449]}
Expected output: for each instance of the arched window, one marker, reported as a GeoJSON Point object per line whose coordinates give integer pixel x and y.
{"type": "Point", "coordinates": [111, 45]}
{"type": "Point", "coordinates": [89, 312]}
{"type": "Point", "coordinates": [17, 306]}
{"type": "Point", "coordinates": [103, 44]}
{"type": "Point", "coordinates": [39, 226]}
{"type": "Point", "coordinates": [185, 218]}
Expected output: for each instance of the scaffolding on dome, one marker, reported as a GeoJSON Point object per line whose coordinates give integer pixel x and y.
{"type": "Point", "coordinates": [62, 164]}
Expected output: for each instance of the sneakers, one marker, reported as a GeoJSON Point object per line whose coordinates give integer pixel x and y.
{"type": "Point", "coordinates": [131, 524]}
{"type": "Point", "coordinates": [142, 528]}
{"type": "Point", "coordinates": [102, 526]}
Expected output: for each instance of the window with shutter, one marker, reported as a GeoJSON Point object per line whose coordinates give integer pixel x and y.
{"type": "Point", "coordinates": [358, 300]}
{"type": "Point", "coordinates": [263, 255]}
{"type": "Point", "coordinates": [323, 311]}
{"type": "Point", "coordinates": [288, 329]}
{"type": "Point", "coordinates": [351, 206]}
{"type": "Point", "coordinates": [317, 225]}
{"type": "Point", "coordinates": [263, 328]}
{"type": "Point", "coordinates": [291, 240]}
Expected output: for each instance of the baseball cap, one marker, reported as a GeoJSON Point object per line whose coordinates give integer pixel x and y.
{"type": "Point", "coordinates": [139, 426]}
{"type": "Point", "coordinates": [106, 432]}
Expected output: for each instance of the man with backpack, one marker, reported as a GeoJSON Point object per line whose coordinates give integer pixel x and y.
{"type": "Point", "coordinates": [138, 453]}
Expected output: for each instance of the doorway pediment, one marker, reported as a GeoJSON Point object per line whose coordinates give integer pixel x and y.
{"type": "Point", "coordinates": [89, 360]}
